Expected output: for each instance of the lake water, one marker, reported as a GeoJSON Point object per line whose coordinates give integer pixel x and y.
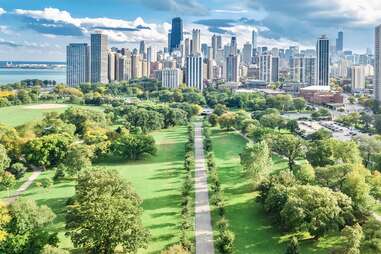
{"type": "Point", "coordinates": [17, 74]}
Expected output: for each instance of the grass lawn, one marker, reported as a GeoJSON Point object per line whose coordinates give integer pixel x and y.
{"type": "Point", "coordinates": [18, 115]}
{"type": "Point", "coordinates": [254, 231]}
{"type": "Point", "coordinates": [157, 180]}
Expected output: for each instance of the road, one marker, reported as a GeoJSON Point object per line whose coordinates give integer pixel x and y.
{"type": "Point", "coordinates": [203, 230]}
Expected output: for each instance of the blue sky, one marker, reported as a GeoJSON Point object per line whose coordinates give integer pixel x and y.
{"type": "Point", "coordinates": [40, 30]}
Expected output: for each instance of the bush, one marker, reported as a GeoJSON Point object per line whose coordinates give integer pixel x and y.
{"type": "Point", "coordinates": [225, 242]}
{"type": "Point", "coordinates": [175, 249]}
{"type": "Point", "coordinates": [18, 170]}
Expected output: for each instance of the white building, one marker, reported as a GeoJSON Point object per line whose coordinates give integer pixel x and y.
{"type": "Point", "coordinates": [358, 77]}
{"type": "Point", "coordinates": [196, 43]}
{"type": "Point", "coordinates": [171, 78]}
{"type": "Point", "coordinates": [194, 71]}
{"type": "Point", "coordinates": [377, 64]}
{"type": "Point", "coordinates": [77, 64]}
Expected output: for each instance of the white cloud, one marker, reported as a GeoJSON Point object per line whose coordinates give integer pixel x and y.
{"type": "Point", "coordinates": [2, 11]}
{"type": "Point", "coordinates": [154, 33]}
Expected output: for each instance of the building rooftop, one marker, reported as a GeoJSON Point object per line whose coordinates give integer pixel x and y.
{"type": "Point", "coordinates": [316, 88]}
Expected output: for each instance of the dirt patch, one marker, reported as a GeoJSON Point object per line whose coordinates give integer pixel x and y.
{"type": "Point", "coordinates": [46, 106]}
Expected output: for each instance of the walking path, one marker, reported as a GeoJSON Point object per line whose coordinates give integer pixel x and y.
{"type": "Point", "coordinates": [23, 187]}
{"type": "Point", "coordinates": [204, 231]}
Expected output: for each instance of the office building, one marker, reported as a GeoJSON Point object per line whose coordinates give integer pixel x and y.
{"type": "Point", "coordinates": [322, 64]}
{"type": "Point", "coordinates": [142, 48]}
{"type": "Point", "coordinates": [232, 68]}
{"type": "Point", "coordinates": [77, 64]}
{"type": "Point", "coordinates": [196, 44]}
{"type": "Point", "coordinates": [176, 35]}
{"type": "Point", "coordinates": [194, 71]}
{"type": "Point", "coordinates": [99, 58]}
{"type": "Point", "coordinates": [309, 66]}
{"type": "Point", "coordinates": [296, 69]}
{"type": "Point", "coordinates": [275, 69]}
{"type": "Point", "coordinates": [340, 42]}
{"type": "Point", "coordinates": [358, 77]}
{"type": "Point", "coordinates": [111, 66]}
{"type": "Point", "coordinates": [136, 66]}
{"type": "Point", "coordinates": [171, 77]}
{"type": "Point", "coordinates": [265, 67]}
{"type": "Point", "coordinates": [247, 52]}
{"type": "Point", "coordinates": [233, 46]}
{"type": "Point", "coordinates": [254, 39]}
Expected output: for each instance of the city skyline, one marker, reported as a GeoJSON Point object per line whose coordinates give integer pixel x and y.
{"type": "Point", "coordinates": [44, 29]}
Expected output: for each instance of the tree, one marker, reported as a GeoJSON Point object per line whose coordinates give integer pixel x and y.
{"type": "Point", "coordinates": [256, 159]}
{"type": "Point", "coordinates": [7, 181]}
{"type": "Point", "coordinates": [320, 135]}
{"type": "Point", "coordinates": [175, 249]}
{"type": "Point", "coordinates": [305, 173]}
{"type": "Point", "coordinates": [293, 246]}
{"type": "Point", "coordinates": [4, 159]}
{"type": "Point", "coordinates": [106, 213]}
{"type": "Point", "coordinates": [369, 147]}
{"type": "Point", "coordinates": [289, 146]}
{"type": "Point", "coordinates": [48, 249]}
{"type": "Point", "coordinates": [78, 158]}
{"type": "Point", "coordinates": [273, 121]}
{"type": "Point", "coordinates": [227, 120]}
{"type": "Point", "coordinates": [26, 229]}
{"type": "Point", "coordinates": [5, 218]}
{"type": "Point", "coordinates": [352, 236]}
{"type": "Point", "coordinates": [220, 109]}
{"type": "Point", "coordinates": [377, 123]}
{"type": "Point", "coordinates": [372, 236]}
{"type": "Point", "coordinates": [299, 103]}
{"type": "Point", "coordinates": [49, 150]}
{"type": "Point", "coordinates": [315, 209]}
{"type": "Point", "coordinates": [213, 119]}
{"type": "Point", "coordinates": [17, 169]}
{"type": "Point", "coordinates": [133, 146]}
{"type": "Point", "coordinates": [225, 241]}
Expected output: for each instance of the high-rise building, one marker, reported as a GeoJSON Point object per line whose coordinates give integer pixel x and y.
{"type": "Point", "coordinates": [111, 66]}
{"type": "Point", "coordinates": [377, 64]}
{"type": "Point", "coordinates": [322, 64]}
{"type": "Point", "coordinates": [265, 67]}
{"type": "Point", "coordinates": [247, 52]}
{"type": "Point", "coordinates": [136, 66]}
{"type": "Point", "coordinates": [196, 46]}
{"type": "Point", "coordinates": [254, 39]}
{"type": "Point", "coordinates": [340, 42]}
{"type": "Point", "coordinates": [296, 69]}
{"type": "Point", "coordinates": [77, 64]}
{"type": "Point", "coordinates": [233, 46]}
{"type": "Point", "coordinates": [275, 69]}
{"type": "Point", "coordinates": [124, 70]}
{"type": "Point", "coordinates": [176, 35]}
{"type": "Point", "coordinates": [194, 71]}
{"type": "Point", "coordinates": [142, 48]}
{"type": "Point", "coordinates": [232, 68]}
{"type": "Point", "coordinates": [358, 77]}
{"type": "Point", "coordinates": [99, 58]}
{"type": "Point", "coordinates": [219, 42]}
{"type": "Point", "coordinates": [171, 77]}
{"type": "Point", "coordinates": [309, 66]}
{"type": "Point", "coordinates": [204, 50]}
{"type": "Point", "coordinates": [214, 45]}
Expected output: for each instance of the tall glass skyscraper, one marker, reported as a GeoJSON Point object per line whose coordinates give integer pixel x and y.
{"type": "Point", "coordinates": [77, 64]}
{"type": "Point", "coordinates": [176, 33]}
{"type": "Point", "coordinates": [99, 58]}
{"type": "Point", "coordinates": [322, 66]}
{"type": "Point", "coordinates": [340, 42]}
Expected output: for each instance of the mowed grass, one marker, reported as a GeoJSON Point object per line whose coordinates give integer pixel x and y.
{"type": "Point", "coordinates": [17, 115]}
{"type": "Point", "coordinates": [157, 180]}
{"type": "Point", "coordinates": [254, 231]}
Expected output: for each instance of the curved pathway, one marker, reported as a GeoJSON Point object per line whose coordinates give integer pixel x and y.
{"type": "Point", "coordinates": [203, 230]}
{"type": "Point", "coordinates": [11, 199]}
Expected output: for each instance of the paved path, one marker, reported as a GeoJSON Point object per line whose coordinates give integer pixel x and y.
{"type": "Point", "coordinates": [23, 187]}
{"type": "Point", "coordinates": [204, 231]}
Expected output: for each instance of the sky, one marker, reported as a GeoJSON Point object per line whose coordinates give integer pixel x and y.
{"type": "Point", "coordinates": [40, 30]}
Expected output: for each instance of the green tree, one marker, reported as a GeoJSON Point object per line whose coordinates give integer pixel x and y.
{"type": "Point", "coordinates": [227, 120]}
{"type": "Point", "coordinates": [256, 159]}
{"type": "Point", "coordinates": [79, 157]}
{"type": "Point", "coordinates": [289, 146]}
{"type": "Point", "coordinates": [133, 146]}
{"type": "Point", "coordinates": [213, 119]}
{"type": "Point", "coordinates": [352, 236]}
{"type": "Point", "coordinates": [5, 161]}
{"type": "Point", "coordinates": [106, 214]}
{"type": "Point", "coordinates": [369, 148]}
{"type": "Point", "coordinates": [26, 229]}
{"type": "Point", "coordinates": [220, 109]}
{"type": "Point", "coordinates": [299, 103]}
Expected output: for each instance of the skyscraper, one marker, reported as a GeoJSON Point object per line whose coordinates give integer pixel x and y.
{"type": "Point", "coordinates": [247, 52]}
{"type": "Point", "coordinates": [214, 45]}
{"type": "Point", "coordinates": [232, 68]}
{"type": "Point", "coordinates": [77, 64]}
{"type": "Point", "coordinates": [142, 48]}
{"type": "Point", "coordinates": [309, 66]}
{"type": "Point", "coordinates": [296, 69]}
{"type": "Point", "coordinates": [275, 69]}
{"type": "Point", "coordinates": [322, 58]}
{"type": "Point", "coordinates": [111, 66]}
{"type": "Point", "coordinates": [340, 42]}
{"type": "Point", "coordinates": [194, 71]}
{"type": "Point", "coordinates": [176, 35]}
{"type": "Point", "coordinates": [254, 39]}
{"type": "Point", "coordinates": [265, 67]}
{"type": "Point", "coordinates": [99, 58]}
{"type": "Point", "coordinates": [196, 46]}
{"type": "Point", "coordinates": [233, 45]}
{"type": "Point", "coordinates": [358, 77]}
{"type": "Point", "coordinates": [377, 64]}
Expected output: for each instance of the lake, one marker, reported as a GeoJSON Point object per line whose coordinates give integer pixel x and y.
{"type": "Point", "coordinates": [13, 75]}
